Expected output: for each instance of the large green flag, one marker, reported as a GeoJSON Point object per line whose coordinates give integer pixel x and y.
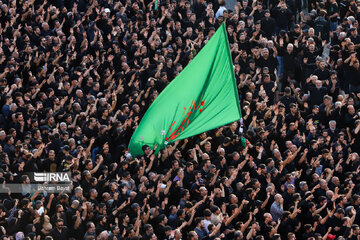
{"type": "Point", "coordinates": [202, 97]}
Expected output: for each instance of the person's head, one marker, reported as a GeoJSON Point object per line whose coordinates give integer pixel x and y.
{"type": "Point", "coordinates": [351, 109]}
{"type": "Point", "coordinates": [265, 52]}
{"type": "Point", "coordinates": [293, 108]}
{"type": "Point", "coordinates": [102, 219]}
{"type": "Point", "coordinates": [93, 193]}
{"type": "Point", "coordinates": [342, 200]}
{"type": "Point", "coordinates": [356, 229]}
{"type": "Point", "coordinates": [59, 209]}
{"type": "Point", "coordinates": [146, 149]}
{"type": "Point", "coordinates": [267, 78]}
{"type": "Point", "coordinates": [318, 84]}
{"type": "Point", "coordinates": [207, 146]}
{"type": "Point", "coordinates": [75, 204]}
{"type": "Point", "coordinates": [307, 228]}
{"type": "Point", "coordinates": [332, 125]}
{"type": "Point", "coordinates": [290, 48]}
{"type": "Point", "coordinates": [278, 198]}
{"type": "Point", "coordinates": [291, 189]}
{"type": "Point", "coordinates": [287, 91]}
{"type": "Point", "coordinates": [276, 153]}
{"type": "Point", "coordinates": [322, 64]}
{"type": "Point", "coordinates": [238, 235]}
{"type": "Point", "coordinates": [192, 235]}
{"type": "Point", "coordinates": [327, 100]}
{"type": "Point", "coordinates": [90, 228]}
{"type": "Point", "coordinates": [19, 235]}
{"type": "Point", "coordinates": [163, 219]}
{"type": "Point", "coordinates": [267, 13]}
{"type": "Point", "coordinates": [199, 222]}
{"type": "Point", "coordinates": [267, 217]}
{"type": "Point", "coordinates": [25, 179]}
{"type": "Point", "coordinates": [233, 199]}
{"type": "Point", "coordinates": [291, 236]}
{"type": "Point", "coordinates": [151, 236]}
{"type": "Point", "coordinates": [203, 191]}
{"type": "Point", "coordinates": [340, 213]}
{"type": "Point", "coordinates": [311, 45]}
{"type": "Point", "coordinates": [303, 186]}
{"type": "Point", "coordinates": [59, 223]}
{"type": "Point", "coordinates": [356, 199]}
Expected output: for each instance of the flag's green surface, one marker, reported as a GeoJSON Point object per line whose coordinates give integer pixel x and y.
{"type": "Point", "coordinates": [156, 5]}
{"type": "Point", "coordinates": [202, 97]}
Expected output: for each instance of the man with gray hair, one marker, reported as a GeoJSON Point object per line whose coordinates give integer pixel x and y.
{"type": "Point", "coordinates": [277, 155]}
{"type": "Point", "coordinates": [316, 89]}
{"type": "Point", "coordinates": [71, 211]}
{"type": "Point", "coordinates": [19, 236]}
{"type": "Point", "coordinates": [2, 137]}
{"type": "Point", "coordinates": [103, 235]}
{"type": "Point", "coordinates": [332, 130]}
{"type": "Point", "coordinates": [268, 60]}
{"type": "Point", "coordinates": [303, 188]}
{"type": "Point", "coordinates": [277, 208]}
{"type": "Point", "coordinates": [63, 126]}
{"type": "Point", "coordinates": [78, 195]}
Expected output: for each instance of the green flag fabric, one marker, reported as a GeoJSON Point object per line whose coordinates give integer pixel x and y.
{"type": "Point", "coordinates": [156, 5]}
{"type": "Point", "coordinates": [202, 97]}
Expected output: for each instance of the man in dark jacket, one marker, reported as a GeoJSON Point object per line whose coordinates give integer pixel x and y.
{"type": "Point", "coordinates": [321, 26]}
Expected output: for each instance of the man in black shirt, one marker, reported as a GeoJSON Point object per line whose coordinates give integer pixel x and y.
{"type": "Point", "coordinates": [257, 12]}
{"type": "Point", "coordinates": [291, 66]}
{"type": "Point", "coordinates": [355, 38]}
{"type": "Point", "coordinates": [60, 232]}
{"type": "Point", "coordinates": [354, 74]}
{"type": "Point", "coordinates": [246, 6]}
{"type": "Point", "coordinates": [322, 72]}
{"type": "Point", "coordinates": [270, 88]}
{"type": "Point", "coordinates": [293, 116]}
{"type": "Point", "coordinates": [282, 15]}
{"type": "Point", "coordinates": [160, 229]}
{"type": "Point", "coordinates": [336, 221]}
{"type": "Point", "coordinates": [268, 24]}
{"type": "Point", "coordinates": [334, 15]}
{"type": "Point", "coordinates": [317, 91]}
{"type": "Point", "coordinates": [287, 99]}
{"type": "Point", "coordinates": [267, 60]}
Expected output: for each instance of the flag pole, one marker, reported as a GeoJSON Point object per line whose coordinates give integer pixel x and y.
{"type": "Point", "coordinates": [241, 128]}
{"type": "Point", "coordinates": [233, 73]}
{"type": "Point", "coordinates": [232, 64]}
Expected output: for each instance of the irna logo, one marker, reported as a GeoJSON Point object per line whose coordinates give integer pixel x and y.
{"type": "Point", "coordinates": [52, 177]}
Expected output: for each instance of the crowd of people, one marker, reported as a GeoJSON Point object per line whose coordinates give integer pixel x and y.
{"type": "Point", "coordinates": [77, 76]}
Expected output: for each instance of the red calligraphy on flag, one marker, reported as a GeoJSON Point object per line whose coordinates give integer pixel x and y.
{"type": "Point", "coordinates": [189, 112]}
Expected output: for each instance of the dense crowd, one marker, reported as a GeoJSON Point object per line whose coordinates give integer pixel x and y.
{"type": "Point", "coordinates": [77, 76]}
